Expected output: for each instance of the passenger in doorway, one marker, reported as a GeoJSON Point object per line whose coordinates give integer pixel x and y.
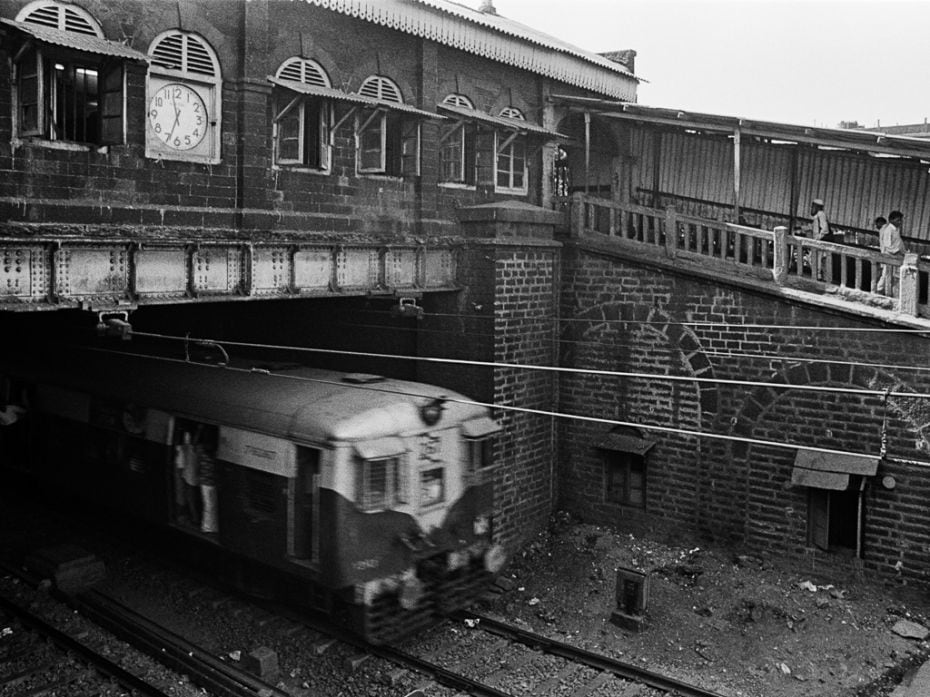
{"type": "Point", "coordinates": [186, 461]}
{"type": "Point", "coordinates": [206, 448]}
{"type": "Point", "coordinates": [890, 242]}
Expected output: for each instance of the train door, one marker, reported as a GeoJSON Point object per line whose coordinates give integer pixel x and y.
{"type": "Point", "coordinates": [304, 496]}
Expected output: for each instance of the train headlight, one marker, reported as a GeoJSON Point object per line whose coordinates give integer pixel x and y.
{"type": "Point", "coordinates": [495, 558]}
{"type": "Point", "coordinates": [482, 525]}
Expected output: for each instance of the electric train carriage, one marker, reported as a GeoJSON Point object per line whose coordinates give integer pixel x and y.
{"type": "Point", "coordinates": [372, 496]}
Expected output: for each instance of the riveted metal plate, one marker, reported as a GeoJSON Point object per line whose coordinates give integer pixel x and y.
{"type": "Point", "coordinates": [440, 268]}
{"type": "Point", "coordinates": [90, 272]}
{"type": "Point", "coordinates": [271, 270]}
{"type": "Point", "coordinates": [400, 267]}
{"type": "Point", "coordinates": [358, 268]}
{"type": "Point", "coordinates": [217, 270]}
{"type": "Point", "coordinates": [161, 272]}
{"type": "Point", "coordinates": [23, 274]}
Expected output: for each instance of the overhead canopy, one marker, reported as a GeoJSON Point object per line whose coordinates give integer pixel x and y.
{"type": "Point", "coordinates": [380, 448]}
{"type": "Point", "coordinates": [830, 470]}
{"type": "Point", "coordinates": [480, 428]}
{"type": "Point", "coordinates": [845, 138]}
{"type": "Point", "coordinates": [626, 440]}
{"type": "Point", "coordinates": [75, 41]}
{"type": "Point", "coordinates": [350, 97]}
{"type": "Point", "coordinates": [502, 122]}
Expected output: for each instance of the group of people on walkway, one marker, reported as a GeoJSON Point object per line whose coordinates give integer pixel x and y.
{"type": "Point", "coordinates": [889, 241]}
{"type": "Point", "coordinates": [195, 478]}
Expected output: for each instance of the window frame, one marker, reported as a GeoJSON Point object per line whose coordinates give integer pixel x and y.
{"type": "Point", "coordinates": [462, 142]}
{"type": "Point", "coordinates": [506, 151]}
{"type": "Point", "coordinates": [49, 95]}
{"type": "Point", "coordinates": [623, 462]}
{"type": "Point", "coordinates": [395, 483]}
{"type": "Point", "coordinates": [308, 72]}
{"type": "Point", "coordinates": [397, 134]}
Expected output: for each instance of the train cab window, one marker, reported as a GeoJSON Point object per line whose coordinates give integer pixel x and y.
{"type": "Point", "coordinates": [432, 486]}
{"type": "Point", "coordinates": [479, 443]}
{"type": "Point", "coordinates": [381, 484]}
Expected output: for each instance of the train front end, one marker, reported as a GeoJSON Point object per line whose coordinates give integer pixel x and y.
{"type": "Point", "coordinates": [413, 508]}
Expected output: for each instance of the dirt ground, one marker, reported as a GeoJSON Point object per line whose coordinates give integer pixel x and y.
{"type": "Point", "coordinates": [736, 623]}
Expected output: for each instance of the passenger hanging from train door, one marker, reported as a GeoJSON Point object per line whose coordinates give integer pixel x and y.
{"type": "Point", "coordinates": [186, 461]}
{"type": "Point", "coordinates": [206, 465]}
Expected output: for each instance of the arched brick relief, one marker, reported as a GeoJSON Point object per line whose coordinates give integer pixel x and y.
{"type": "Point", "coordinates": [595, 323]}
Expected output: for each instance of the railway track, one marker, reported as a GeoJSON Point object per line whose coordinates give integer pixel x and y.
{"type": "Point", "coordinates": [42, 650]}
{"type": "Point", "coordinates": [39, 659]}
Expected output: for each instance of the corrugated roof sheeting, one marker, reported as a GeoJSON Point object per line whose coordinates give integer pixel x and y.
{"type": "Point", "coordinates": [855, 187]}
{"type": "Point", "coordinates": [496, 38]}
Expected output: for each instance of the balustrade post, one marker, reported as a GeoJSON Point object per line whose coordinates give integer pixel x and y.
{"type": "Point", "coordinates": [780, 250]}
{"type": "Point", "coordinates": [907, 288]}
{"type": "Point", "coordinates": [578, 214]}
{"type": "Point", "coordinates": [671, 232]}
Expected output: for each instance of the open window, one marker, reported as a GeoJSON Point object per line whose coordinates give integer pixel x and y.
{"type": "Point", "coordinates": [510, 157]}
{"type": "Point", "coordinates": [303, 115]}
{"type": "Point", "coordinates": [387, 130]}
{"type": "Point", "coordinates": [382, 480]}
{"type": "Point", "coordinates": [458, 146]}
{"type": "Point", "coordinates": [69, 79]}
{"type": "Point", "coordinates": [836, 498]}
{"type": "Point", "coordinates": [624, 451]}
{"type": "Point", "coordinates": [478, 436]}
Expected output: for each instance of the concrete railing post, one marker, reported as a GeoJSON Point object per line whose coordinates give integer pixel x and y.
{"type": "Point", "coordinates": [671, 232]}
{"type": "Point", "coordinates": [578, 214]}
{"type": "Point", "coordinates": [780, 257]}
{"type": "Point", "coordinates": [907, 298]}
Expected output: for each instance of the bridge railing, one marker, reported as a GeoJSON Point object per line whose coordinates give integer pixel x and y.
{"type": "Point", "coordinates": [771, 255]}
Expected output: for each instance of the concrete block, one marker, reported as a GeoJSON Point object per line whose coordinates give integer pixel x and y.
{"type": "Point", "coordinates": [263, 662]}
{"type": "Point", "coordinates": [71, 567]}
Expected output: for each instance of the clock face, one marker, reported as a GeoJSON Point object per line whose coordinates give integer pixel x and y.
{"type": "Point", "coordinates": [178, 116]}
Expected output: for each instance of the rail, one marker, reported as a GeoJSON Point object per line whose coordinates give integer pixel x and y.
{"type": "Point", "coordinates": [863, 273]}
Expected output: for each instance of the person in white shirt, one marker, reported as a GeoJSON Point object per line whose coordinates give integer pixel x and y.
{"type": "Point", "coordinates": [890, 242]}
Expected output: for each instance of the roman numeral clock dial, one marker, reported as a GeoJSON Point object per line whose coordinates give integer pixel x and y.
{"type": "Point", "coordinates": [178, 116]}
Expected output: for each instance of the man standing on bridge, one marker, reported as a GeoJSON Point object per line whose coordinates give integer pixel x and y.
{"type": "Point", "coordinates": [890, 242]}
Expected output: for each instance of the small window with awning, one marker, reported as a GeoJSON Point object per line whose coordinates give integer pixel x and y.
{"type": "Point", "coordinates": [624, 450]}
{"type": "Point", "coordinates": [836, 484]}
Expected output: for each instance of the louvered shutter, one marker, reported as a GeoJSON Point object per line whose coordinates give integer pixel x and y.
{"type": "Point", "coordinates": [30, 86]}
{"type": "Point", "coordinates": [111, 105]}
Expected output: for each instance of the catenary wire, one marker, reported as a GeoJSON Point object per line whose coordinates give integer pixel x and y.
{"type": "Point", "coordinates": [548, 368]}
{"type": "Point", "coordinates": [613, 344]}
{"type": "Point", "coordinates": [556, 414]}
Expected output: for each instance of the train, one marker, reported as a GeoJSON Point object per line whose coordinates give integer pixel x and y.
{"type": "Point", "coordinates": [371, 497]}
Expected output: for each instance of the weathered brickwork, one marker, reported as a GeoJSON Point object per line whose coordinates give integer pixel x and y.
{"type": "Point", "coordinates": [619, 316]}
{"type": "Point", "coordinates": [525, 311]}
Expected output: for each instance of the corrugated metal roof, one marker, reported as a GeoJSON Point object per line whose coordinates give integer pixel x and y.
{"type": "Point", "coordinates": [499, 121]}
{"type": "Point", "coordinates": [496, 38]}
{"type": "Point", "coordinates": [79, 42]}
{"type": "Point", "coordinates": [351, 97]}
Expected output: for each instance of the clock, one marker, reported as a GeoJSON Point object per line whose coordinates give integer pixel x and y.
{"type": "Point", "coordinates": [178, 116]}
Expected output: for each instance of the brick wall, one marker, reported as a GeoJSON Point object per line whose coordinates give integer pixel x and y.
{"type": "Point", "coordinates": [620, 316]}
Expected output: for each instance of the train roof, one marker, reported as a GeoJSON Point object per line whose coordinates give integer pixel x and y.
{"type": "Point", "coordinates": [303, 404]}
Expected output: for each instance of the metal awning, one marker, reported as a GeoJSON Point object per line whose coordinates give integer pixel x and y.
{"type": "Point", "coordinates": [625, 443]}
{"type": "Point", "coordinates": [350, 97]}
{"type": "Point", "coordinates": [830, 470]}
{"type": "Point", "coordinates": [75, 41]}
{"type": "Point", "coordinates": [480, 428]}
{"type": "Point", "coordinates": [380, 448]}
{"type": "Point", "coordinates": [501, 122]}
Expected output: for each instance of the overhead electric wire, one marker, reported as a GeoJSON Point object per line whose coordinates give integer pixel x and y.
{"type": "Point", "coordinates": [707, 351]}
{"type": "Point", "coordinates": [684, 323]}
{"type": "Point", "coordinates": [884, 394]}
{"type": "Point", "coordinates": [553, 414]}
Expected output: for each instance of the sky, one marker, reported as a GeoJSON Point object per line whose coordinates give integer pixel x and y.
{"type": "Point", "coordinates": [808, 62]}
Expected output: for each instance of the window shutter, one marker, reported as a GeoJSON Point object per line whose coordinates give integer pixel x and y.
{"type": "Point", "coordinates": [485, 156]}
{"type": "Point", "coordinates": [30, 117]}
{"type": "Point", "coordinates": [410, 148]}
{"type": "Point", "coordinates": [470, 155]}
{"type": "Point", "coordinates": [111, 105]}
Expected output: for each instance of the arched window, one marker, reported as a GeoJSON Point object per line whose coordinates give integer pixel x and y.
{"type": "Point", "coordinates": [510, 162]}
{"type": "Point", "coordinates": [388, 139]}
{"type": "Point", "coordinates": [183, 106]}
{"type": "Point", "coordinates": [303, 114]}
{"type": "Point", "coordinates": [68, 88]}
